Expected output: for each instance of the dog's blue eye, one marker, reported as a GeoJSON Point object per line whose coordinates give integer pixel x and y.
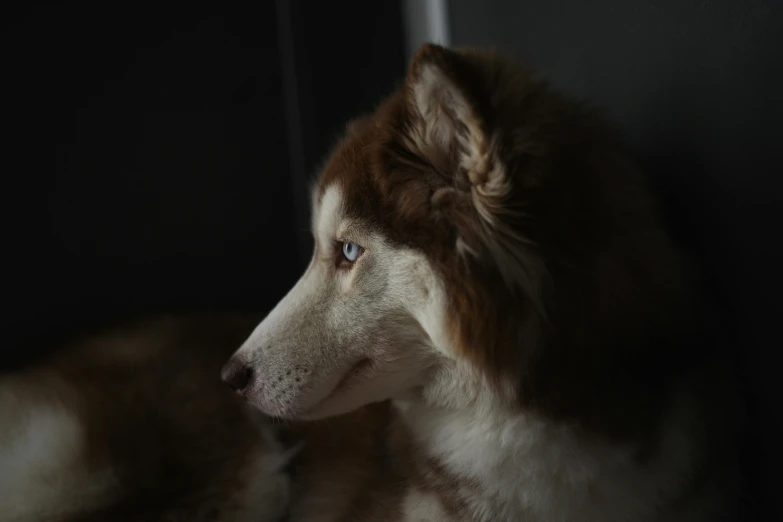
{"type": "Point", "coordinates": [351, 251]}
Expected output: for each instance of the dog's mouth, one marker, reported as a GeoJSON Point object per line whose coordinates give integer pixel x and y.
{"type": "Point", "coordinates": [359, 371]}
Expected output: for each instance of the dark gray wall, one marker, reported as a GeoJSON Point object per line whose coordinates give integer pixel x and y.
{"type": "Point", "coordinates": [170, 182]}
{"type": "Point", "coordinates": [698, 85]}
{"type": "Point", "coordinates": [183, 140]}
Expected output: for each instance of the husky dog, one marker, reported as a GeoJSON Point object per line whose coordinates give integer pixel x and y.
{"type": "Point", "coordinates": [494, 325]}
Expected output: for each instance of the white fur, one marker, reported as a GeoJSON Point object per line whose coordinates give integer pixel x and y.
{"type": "Point", "coordinates": [422, 507]}
{"type": "Point", "coordinates": [328, 215]}
{"type": "Point", "coordinates": [40, 468]}
{"type": "Point", "coordinates": [413, 272]}
{"type": "Point", "coordinates": [536, 470]}
{"type": "Point", "coordinates": [533, 470]}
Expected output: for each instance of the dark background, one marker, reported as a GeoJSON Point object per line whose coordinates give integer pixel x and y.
{"type": "Point", "coordinates": [185, 137]}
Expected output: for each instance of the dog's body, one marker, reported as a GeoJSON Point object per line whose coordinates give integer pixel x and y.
{"type": "Point", "coordinates": [134, 425]}
{"type": "Point", "coordinates": [494, 327]}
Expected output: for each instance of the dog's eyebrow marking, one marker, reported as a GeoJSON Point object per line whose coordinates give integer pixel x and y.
{"type": "Point", "coordinates": [328, 215]}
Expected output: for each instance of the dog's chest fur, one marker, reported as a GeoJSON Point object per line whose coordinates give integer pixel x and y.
{"type": "Point", "coordinates": [485, 466]}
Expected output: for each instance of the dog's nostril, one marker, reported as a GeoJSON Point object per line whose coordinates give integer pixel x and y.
{"type": "Point", "coordinates": [236, 375]}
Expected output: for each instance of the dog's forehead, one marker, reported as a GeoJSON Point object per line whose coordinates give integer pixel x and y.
{"type": "Point", "coordinates": [351, 173]}
{"type": "Point", "coordinates": [381, 187]}
{"type": "Point", "coordinates": [351, 161]}
{"type": "Point", "coordinates": [344, 185]}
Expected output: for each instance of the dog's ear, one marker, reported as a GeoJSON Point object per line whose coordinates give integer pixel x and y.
{"type": "Point", "coordinates": [448, 127]}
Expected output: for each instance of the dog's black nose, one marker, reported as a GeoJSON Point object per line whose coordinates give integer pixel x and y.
{"type": "Point", "coordinates": [236, 375]}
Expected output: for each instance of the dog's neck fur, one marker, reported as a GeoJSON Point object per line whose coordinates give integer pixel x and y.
{"type": "Point", "coordinates": [474, 439]}
{"type": "Point", "coordinates": [492, 461]}
{"type": "Point", "coordinates": [497, 462]}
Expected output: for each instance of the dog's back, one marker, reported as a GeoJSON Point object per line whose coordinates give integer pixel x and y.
{"type": "Point", "coordinates": [134, 424]}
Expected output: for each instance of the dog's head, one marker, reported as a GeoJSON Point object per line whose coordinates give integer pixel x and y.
{"type": "Point", "coordinates": [477, 232]}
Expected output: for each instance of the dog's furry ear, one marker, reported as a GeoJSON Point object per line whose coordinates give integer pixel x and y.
{"type": "Point", "coordinates": [446, 124]}
{"type": "Point", "coordinates": [448, 128]}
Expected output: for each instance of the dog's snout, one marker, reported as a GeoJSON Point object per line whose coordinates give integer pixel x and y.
{"type": "Point", "coordinates": [236, 375]}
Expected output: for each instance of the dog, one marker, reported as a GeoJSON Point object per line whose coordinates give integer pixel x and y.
{"type": "Point", "coordinates": [495, 324]}
{"type": "Point", "coordinates": [494, 327]}
{"type": "Point", "coordinates": [133, 424]}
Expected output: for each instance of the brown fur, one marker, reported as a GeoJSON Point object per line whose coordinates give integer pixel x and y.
{"type": "Point", "coordinates": [346, 470]}
{"type": "Point", "coordinates": [614, 290]}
